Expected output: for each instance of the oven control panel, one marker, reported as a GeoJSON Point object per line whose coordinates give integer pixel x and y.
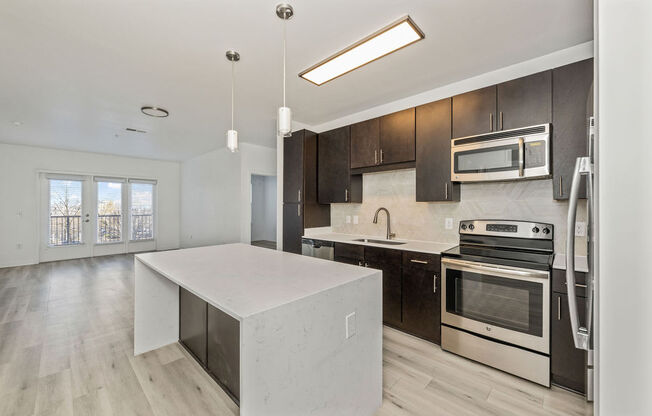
{"type": "Point", "coordinates": [505, 228]}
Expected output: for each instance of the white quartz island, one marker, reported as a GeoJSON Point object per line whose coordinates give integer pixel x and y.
{"type": "Point", "coordinates": [293, 314]}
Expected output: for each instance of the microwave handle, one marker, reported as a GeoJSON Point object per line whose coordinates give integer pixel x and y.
{"type": "Point", "coordinates": [521, 156]}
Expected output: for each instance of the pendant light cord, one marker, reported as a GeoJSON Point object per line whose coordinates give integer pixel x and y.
{"type": "Point", "coordinates": [232, 91]}
{"type": "Point", "coordinates": [284, 55]}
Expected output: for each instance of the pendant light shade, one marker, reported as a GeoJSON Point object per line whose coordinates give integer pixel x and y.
{"type": "Point", "coordinates": [232, 135]}
{"type": "Point", "coordinates": [284, 121]}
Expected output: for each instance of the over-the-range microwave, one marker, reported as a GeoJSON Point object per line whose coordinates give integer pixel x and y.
{"type": "Point", "coordinates": [522, 153]}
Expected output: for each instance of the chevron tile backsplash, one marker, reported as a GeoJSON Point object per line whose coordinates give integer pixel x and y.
{"type": "Point", "coordinates": [395, 190]}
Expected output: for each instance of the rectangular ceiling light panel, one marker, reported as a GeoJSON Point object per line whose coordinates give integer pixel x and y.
{"type": "Point", "coordinates": [391, 38]}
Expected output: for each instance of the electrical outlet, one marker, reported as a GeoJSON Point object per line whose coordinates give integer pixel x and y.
{"type": "Point", "coordinates": [449, 223]}
{"type": "Point", "coordinates": [350, 325]}
{"type": "Point", "coordinates": [355, 219]}
{"type": "Point", "coordinates": [580, 229]}
{"type": "Point", "coordinates": [348, 219]}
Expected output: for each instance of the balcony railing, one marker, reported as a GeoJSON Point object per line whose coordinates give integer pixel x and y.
{"type": "Point", "coordinates": [142, 226]}
{"type": "Point", "coordinates": [65, 230]}
{"type": "Point", "coordinates": [109, 228]}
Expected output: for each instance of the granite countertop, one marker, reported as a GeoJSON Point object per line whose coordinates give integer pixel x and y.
{"type": "Point", "coordinates": [244, 280]}
{"type": "Point", "coordinates": [410, 245]}
{"type": "Point", "coordinates": [581, 263]}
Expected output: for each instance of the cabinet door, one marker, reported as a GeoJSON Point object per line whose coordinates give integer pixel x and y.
{"type": "Point", "coordinates": [293, 167]}
{"type": "Point", "coordinates": [192, 324]}
{"type": "Point", "coordinates": [365, 143]}
{"type": "Point", "coordinates": [474, 112]}
{"type": "Point", "coordinates": [292, 228]}
{"type": "Point", "coordinates": [223, 350]}
{"type": "Point", "coordinates": [397, 137]}
{"type": "Point", "coordinates": [422, 298]}
{"type": "Point", "coordinates": [572, 105]}
{"type": "Point", "coordinates": [348, 253]}
{"type": "Point", "coordinates": [525, 101]}
{"type": "Point", "coordinates": [433, 164]}
{"type": "Point", "coordinates": [567, 363]}
{"type": "Point", "coordinates": [389, 262]}
{"type": "Point", "coordinates": [334, 167]}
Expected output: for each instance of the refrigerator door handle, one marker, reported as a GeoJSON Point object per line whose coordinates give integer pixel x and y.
{"type": "Point", "coordinates": [581, 335]}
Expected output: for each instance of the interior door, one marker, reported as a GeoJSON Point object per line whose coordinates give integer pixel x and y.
{"type": "Point", "coordinates": [67, 221]}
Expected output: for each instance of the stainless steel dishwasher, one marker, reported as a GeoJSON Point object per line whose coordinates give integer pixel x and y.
{"type": "Point", "coordinates": [317, 248]}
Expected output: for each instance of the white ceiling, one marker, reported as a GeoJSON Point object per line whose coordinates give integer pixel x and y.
{"type": "Point", "coordinates": [76, 72]}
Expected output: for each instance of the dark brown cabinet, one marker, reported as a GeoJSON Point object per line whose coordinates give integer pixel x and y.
{"type": "Point", "coordinates": [567, 363]}
{"type": "Point", "coordinates": [422, 296]}
{"type": "Point", "coordinates": [335, 182]}
{"type": "Point", "coordinates": [433, 156]}
{"type": "Point", "coordinates": [474, 112]}
{"type": "Point", "coordinates": [524, 101]}
{"type": "Point", "coordinates": [192, 324]}
{"type": "Point", "coordinates": [223, 350]}
{"type": "Point", "coordinates": [389, 261]}
{"type": "Point", "coordinates": [300, 207]}
{"type": "Point", "coordinates": [348, 253]}
{"type": "Point", "coordinates": [572, 105]}
{"type": "Point", "coordinates": [365, 143]}
{"type": "Point", "coordinates": [397, 137]}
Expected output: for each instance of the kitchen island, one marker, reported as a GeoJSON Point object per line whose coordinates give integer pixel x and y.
{"type": "Point", "coordinates": [289, 335]}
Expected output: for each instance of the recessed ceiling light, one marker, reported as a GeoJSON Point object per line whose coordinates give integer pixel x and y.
{"type": "Point", "coordinates": [154, 111]}
{"type": "Point", "coordinates": [389, 39]}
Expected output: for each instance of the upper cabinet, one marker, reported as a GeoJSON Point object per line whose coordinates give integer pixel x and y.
{"type": "Point", "coordinates": [365, 143]}
{"type": "Point", "coordinates": [524, 101]}
{"type": "Point", "coordinates": [572, 105]}
{"type": "Point", "coordinates": [517, 103]}
{"type": "Point", "coordinates": [397, 137]}
{"type": "Point", "coordinates": [474, 112]}
{"type": "Point", "coordinates": [334, 180]}
{"type": "Point", "coordinates": [433, 153]}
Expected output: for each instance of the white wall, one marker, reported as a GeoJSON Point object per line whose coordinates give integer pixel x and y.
{"type": "Point", "coordinates": [19, 193]}
{"type": "Point", "coordinates": [625, 203]}
{"type": "Point", "coordinates": [216, 192]}
{"type": "Point", "coordinates": [263, 208]}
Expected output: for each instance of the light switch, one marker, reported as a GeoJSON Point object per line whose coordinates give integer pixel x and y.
{"type": "Point", "coordinates": [449, 223]}
{"type": "Point", "coordinates": [355, 219]}
{"type": "Point", "coordinates": [348, 219]}
{"type": "Point", "coordinates": [350, 325]}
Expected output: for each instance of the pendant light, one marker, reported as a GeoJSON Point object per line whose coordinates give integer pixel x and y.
{"type": "Point", "coordinates": [284, 11]}
{"type": "Point", "coordinates": [232, 135]}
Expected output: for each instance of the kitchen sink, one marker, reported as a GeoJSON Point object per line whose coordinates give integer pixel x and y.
{"type": "Point", "coordinates": [371, 240]}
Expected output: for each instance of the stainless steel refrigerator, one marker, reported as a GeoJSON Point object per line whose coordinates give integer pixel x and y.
{"type": "Point", "coordinates": [583, 334]}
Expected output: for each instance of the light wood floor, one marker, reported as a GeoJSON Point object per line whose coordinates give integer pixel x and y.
{"type": "Point", "coordinates": [66, 348]}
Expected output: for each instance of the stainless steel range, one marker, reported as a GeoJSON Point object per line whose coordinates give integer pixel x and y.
{"type": "Point", "coordinates": [496, 296]}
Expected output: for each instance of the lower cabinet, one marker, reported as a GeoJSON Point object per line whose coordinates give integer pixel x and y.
{"type": "Point", "coordinates": [422, 295]}
{"type": "Point", "coordinates": [192, 324]}
{"type": "Point", "coordinates": [411, 286]}
{"type": "Point", "coordinates": [567, 363]}
{"type": "Point", "coordinates": [213, 338]}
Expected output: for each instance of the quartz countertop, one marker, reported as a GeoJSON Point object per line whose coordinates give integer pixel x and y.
{"type": "Point", "coordinates": [244, 280]}
{"type": "Point", "coordinates": [581, 263]}
{"type": "Point", "coordinates": [410, 245]}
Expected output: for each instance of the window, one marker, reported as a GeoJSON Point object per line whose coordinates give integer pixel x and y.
{"type": "Point", "coordinates": [142, 210]}
{"type": "Point", "coordinates": [109, 212]}
{"type": "Point", "coordinates": [65, 212]}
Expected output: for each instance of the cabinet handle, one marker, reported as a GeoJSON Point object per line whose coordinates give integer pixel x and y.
{"type": "Point", "coordinates": [299, 195]}
{"type": "Point", "coordinates": [491, 121]}
{"type": "Point", "coordinates": [500, 121]}
{"type": "Point", "coordinates": [521, 156]}
{"type": "Point", "coordinates": [382, 156]}
{"type": "Point", "coordinates": [559, 308]}
{"type": "Point", "coordinates": [346, 195]}
{"type": "Point", "coordinates": [578, 285]}
{"type": "Point", "coordinates": [446, 190]}
{"type": "Point", "coordinates": [561, 191]}
{"type": "Point", "coordinates": [434, 283]}
{"type": "Point", "coordinates": [419, 261]}
{"type": "Point", "coordinates": [298, 210]}
{"type": "Point", "coordinates": [375, 157]}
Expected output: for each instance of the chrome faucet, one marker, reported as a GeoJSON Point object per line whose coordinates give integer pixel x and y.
{"type": "Point", "coordinates": [390, 234]}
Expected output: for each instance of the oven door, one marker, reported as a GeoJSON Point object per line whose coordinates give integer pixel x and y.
{"type": "Point", "coordinates": [511, 158]}
{"type": "Point", "coordinates": [505, 303]}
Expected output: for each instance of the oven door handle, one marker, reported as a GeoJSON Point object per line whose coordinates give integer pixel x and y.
{"type": "Point", "coordinates": [510, 272]}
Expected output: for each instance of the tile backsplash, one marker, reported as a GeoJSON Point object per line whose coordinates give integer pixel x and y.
{"type": "Point", "coordinates": [395, 190]}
